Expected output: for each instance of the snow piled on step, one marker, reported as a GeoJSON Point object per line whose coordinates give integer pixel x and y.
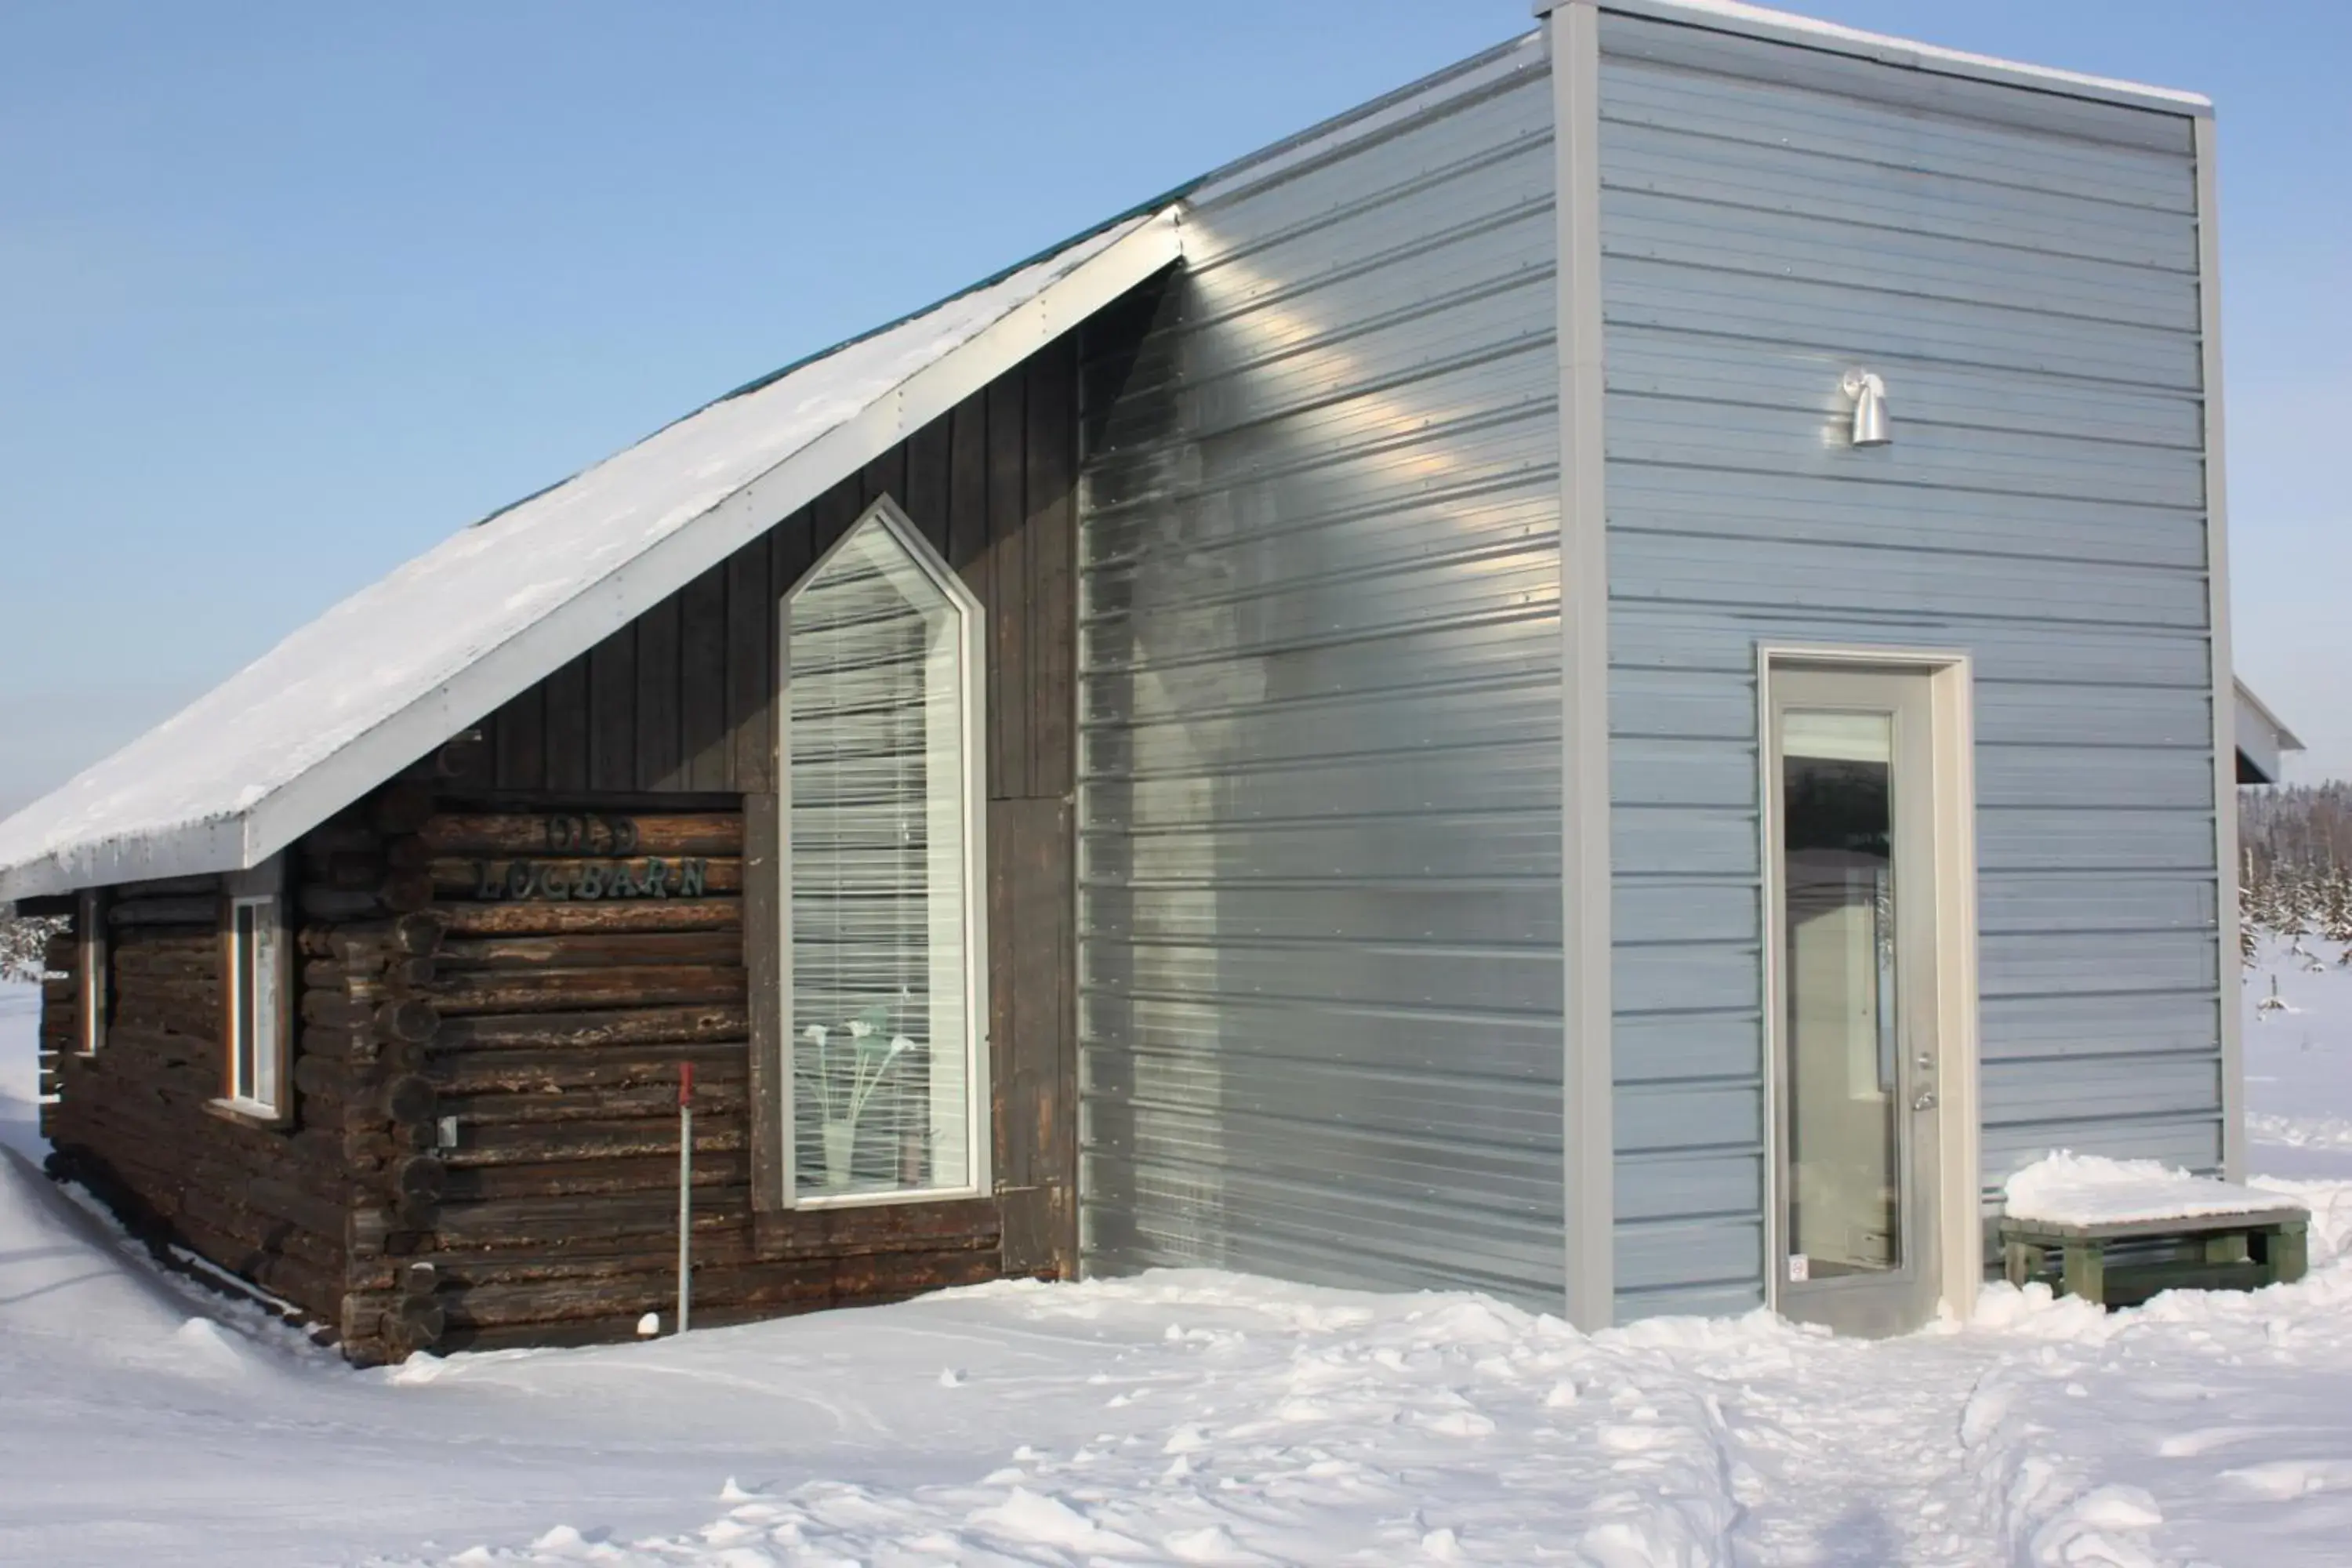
{"type": "Point", "coordinates": [2066, 1188]}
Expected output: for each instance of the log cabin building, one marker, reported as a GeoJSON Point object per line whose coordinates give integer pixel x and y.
{"type": "Point", "coordinates": [1364, 720]}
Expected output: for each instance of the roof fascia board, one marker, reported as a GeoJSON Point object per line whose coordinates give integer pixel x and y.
{"type": "Point", "coordinates": [628, 591]}
{"type": "Point", "coordinates": [217, 844]}
{"type": "Point", "coordinates": [1788, 27]}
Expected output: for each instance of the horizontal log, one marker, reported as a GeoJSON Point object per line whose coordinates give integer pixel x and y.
{"type": "Point", "coordinates": [201, 1026]}
{"type": "Point", "coordinates": [417, 935]}
{"type": "Point", "coordinates": [143, 942]}
{"type": "Point", "coordinates": [275, 1218]}
{"type": "Point", "coordinates": [483, 919]}
{"type": "Point", "coordinates": [767, 1288]}
{"type": "Point", "coordinates": [131, 1037]}
{"type": "Point", "coordinates": [536, 1221]}
{"type": "Point", "coordinates": [168, 887]}
{"type": "Point", "coordinates": [181, 1088]}
{"type": "Point", "coordinates": [140, 970]}
{"type": "Point", "coordinates": [582, 1069]}
{"type": "Point", "coordinates": [880, 1227]}
{"type": "Point", "coordinates": [134, 995]}
{"type": "Point", "coordinates": [189, 910]}
{"type": "Point", "coordinates": [385, 977]}
{"type": "Point", "coordinates": [572, 1178]}
{"type": "Point", "coordinates": [542, 1142]}
{"type": "Point", "coordinates": [714, 1098]}
{"type": "Point", "coordinates": [182, 1142]}
{"type": "Point", "coordinates": [256, 1213]}
{"type": "Point", "coordinates": [588, 987]}
{"type": "Point", "coordinates": [316, 1288]}
{"type": "Point", "coordinates": [592, 950]}
{"type": "Point", "coordinates": [712, 1024]}
{"type": "Point", "coordinates": [540, 834]}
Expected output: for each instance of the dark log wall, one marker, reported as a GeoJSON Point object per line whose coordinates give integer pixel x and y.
{"type": "Point", "coordinates": [132, 1121]}
{"type": "Point", "coordinates": [485, 1145]}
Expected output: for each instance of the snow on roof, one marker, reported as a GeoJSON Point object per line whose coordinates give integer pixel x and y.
{"type": "Point", "coordinates": [400, 666]}
{"type": "Point", "coordinates": [1763, 21]}
{"type": "Point", "coordinates": [2066, 1188]}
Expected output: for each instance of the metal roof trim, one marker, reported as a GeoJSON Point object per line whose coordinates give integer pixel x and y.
{"type": "Point", "coordinates": [1788, 28]}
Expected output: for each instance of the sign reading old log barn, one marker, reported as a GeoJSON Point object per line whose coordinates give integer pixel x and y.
{"type": "Point", "coordinates": [566, 879]}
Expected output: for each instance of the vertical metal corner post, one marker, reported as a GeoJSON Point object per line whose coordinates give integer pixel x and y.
{"type": "Point", "coordinates": [1573, 34]}
{"type": "Point", "coordinates": [2225, 707]}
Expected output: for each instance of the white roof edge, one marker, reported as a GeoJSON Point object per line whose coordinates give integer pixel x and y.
{"type": "Point", "coordinates": [1788, 27]}
{"type": "Point", "coordinates": [238, 840]}
{"type": "Point", "coordinates": [2286, 737]}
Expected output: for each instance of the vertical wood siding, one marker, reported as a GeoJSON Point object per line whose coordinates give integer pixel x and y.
{"type": "Point", "coordinates": [1319, 905]}
{"type": "Point", "coordinates": [2021, 268]}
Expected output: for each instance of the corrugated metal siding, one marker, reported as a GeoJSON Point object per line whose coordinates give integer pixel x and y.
{"type": "Point", "coordinates": [1319, 913]}
{"type": "Point", "coordinates": [2021, 268]}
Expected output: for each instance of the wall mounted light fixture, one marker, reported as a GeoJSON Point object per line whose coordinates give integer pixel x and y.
{"type": "Point", "coordinates": [1869, 395]}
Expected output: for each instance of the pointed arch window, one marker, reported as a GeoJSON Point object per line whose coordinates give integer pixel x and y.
{"type": "Point", "coordinates": [884, 981]}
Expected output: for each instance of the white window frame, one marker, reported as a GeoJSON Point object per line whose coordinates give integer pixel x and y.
{"type": "Point", "coordinates": [979, 1102]}
{"type": "Point", "coordinates": [268, 1098]}
{"type": "Point", "coordinates": [89, 972]}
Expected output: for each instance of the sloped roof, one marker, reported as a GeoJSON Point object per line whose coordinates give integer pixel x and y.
{"type": "Point", "coordinates": [402, 665]}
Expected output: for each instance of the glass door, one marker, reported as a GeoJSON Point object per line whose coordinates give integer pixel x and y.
{"type": "Point", "coordinates": [1853, 955]}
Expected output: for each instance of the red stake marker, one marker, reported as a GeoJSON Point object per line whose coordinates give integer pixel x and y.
{"type": "Point", "coordinates": [685, 1192]}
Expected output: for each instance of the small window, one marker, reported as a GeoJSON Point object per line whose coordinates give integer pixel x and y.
{"type": "Point", "coordinates": [886, 1089]}
{"type": "Point", "coordinates": [255, 995]}
{"type": "Point", "coordinates": [90, 971]}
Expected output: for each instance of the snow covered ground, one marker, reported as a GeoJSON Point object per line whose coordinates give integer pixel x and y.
{"type": "Point", "coordinates": [1200, 1417]}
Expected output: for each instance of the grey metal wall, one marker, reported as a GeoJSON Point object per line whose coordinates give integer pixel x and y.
{"type": "Point", "coordinates": [1319, 913]}
{"type": "Point", "coordinates": [2021, 268]}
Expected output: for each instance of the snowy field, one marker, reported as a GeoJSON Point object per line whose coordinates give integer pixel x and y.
{"type": "Point", "coordinates": [1198, 1417]}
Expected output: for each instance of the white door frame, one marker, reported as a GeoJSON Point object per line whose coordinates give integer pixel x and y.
{"type": "Point", "coordinates": [1950, 696]}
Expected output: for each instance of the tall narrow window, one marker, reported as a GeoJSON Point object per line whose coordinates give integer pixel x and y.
{"type": "Point", "coordinates": [254, 989]}
{"type": "Point", "coordinates": [882, 922]}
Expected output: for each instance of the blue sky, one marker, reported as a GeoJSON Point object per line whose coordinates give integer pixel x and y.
{"type": "Point", "coordinates": [289, 292]}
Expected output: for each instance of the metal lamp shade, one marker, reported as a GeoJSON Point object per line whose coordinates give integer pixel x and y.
{"type": "Point", "coordinates": [1869, 395]}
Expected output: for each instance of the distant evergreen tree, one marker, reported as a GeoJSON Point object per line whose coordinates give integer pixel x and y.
{"type": "Point", "coordinates": [23, 946]}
